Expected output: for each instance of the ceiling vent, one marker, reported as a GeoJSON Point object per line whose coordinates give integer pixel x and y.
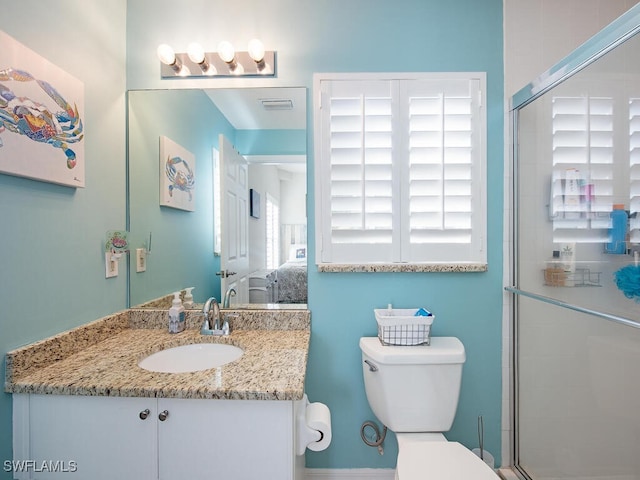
{"type": "Point", "coordinates": [277, 103]}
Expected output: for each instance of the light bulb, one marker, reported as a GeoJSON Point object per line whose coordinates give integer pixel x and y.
{"type": "Point", "coordinates": [226, 51]}
{"type": "Point", "coordinates": [195, 52]}
{"type": "Point", "coordinates": [256, 50]}
{"type": "Point", "coordinates": [166, 54]}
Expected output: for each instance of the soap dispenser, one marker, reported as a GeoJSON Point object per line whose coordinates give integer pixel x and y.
{"type": "Point", "coordinates": [176, 315]}
{"type": "Point", "coordinates": [188, 297]}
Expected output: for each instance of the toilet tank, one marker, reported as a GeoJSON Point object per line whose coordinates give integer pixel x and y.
{"type": "Point", "coordinates": [416, 388]}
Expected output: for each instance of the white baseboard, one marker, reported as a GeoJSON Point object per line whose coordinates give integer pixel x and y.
{"type": "Point", "coordinates": [350, 474]}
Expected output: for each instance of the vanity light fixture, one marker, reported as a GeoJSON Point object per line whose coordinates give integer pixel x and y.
{"type": "Point", "coordinates": [197, 55]}
{"type": "Point", "coordinates": [228, 55]}
{"type": "Point", "coordinates": [226, 62]}
{"type": "Point", "coordinates": [256, 52]}
{"type": "Point", "coordinates": [168, 57]}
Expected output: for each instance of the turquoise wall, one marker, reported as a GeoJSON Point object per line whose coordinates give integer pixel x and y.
{"type": "Point", "coordinates": [365, 36]}
{"type": "Point", "coordinates": [52, 273]}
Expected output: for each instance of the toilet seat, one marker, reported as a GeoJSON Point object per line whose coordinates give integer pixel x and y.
{"type": "Point", "coordinates": [418, 460]}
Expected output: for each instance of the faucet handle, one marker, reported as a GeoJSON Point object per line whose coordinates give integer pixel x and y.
{"type": "Point", "coordinates": [226, 325]}
{"type": "Point", "coordinates": [206, 323]}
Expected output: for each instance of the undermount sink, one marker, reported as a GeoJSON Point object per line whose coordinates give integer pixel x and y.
{"type": "Point", "coordinates": [191, 358]}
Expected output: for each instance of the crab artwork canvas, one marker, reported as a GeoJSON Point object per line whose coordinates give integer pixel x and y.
{"type": "Point", "coordinates": [41, 118]}
{"type": "Point", "coordinates": [177, 176]}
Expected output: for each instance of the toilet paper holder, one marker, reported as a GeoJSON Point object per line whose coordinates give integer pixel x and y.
{"type": "Point", "coordinates": [313, 426]}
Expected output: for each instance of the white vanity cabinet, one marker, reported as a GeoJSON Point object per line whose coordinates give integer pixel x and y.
{"type": "Point", "coordinates": [226, 439]}
{"type": "Point", "coordinates": [148, 438]}
{"type": "Point", "coordinates": [95, 437]}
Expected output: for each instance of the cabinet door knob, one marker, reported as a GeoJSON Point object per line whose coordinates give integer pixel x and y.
{"type": "Point", "coordinates": [162, 416]}
{"type": "Point", "coordinates": [144, 414]}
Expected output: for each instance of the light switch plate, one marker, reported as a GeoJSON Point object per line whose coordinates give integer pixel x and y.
{"type": "Point", "coordinates": [111, 265]}
{"type": "Point", "coordinates": [141, 260]}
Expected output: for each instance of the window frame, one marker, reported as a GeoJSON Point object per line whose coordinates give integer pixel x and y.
{"type": "Point", "coordinates": [322, 179]}
{"type": "Point", "coordinates": [272, 222]}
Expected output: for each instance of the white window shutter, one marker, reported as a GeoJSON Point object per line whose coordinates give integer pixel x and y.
{"type": "Point", "coordinates": [445, 180]}
{"type": "Point", "coordinates": [402, 170]}
{"type": "Point", "coordinates": [357, 155]}
{"type": "Point", "coordinates": [634, 170]}
{"type": "Point", "coordinates": [582, 182]}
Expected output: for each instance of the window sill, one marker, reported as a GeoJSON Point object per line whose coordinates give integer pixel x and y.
{"type": "Point", "coordinates": [402, 267]}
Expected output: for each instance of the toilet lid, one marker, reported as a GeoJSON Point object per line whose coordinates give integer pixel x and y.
{"type": "Point", "coordinates": [441, 460]}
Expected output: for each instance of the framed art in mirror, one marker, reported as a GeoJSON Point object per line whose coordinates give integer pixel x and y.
{"type": "Point", "coordinates": [254, 203]}
{"type": "Point", "coordinates": [177, 176]}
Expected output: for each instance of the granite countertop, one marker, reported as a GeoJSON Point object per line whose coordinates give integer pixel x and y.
{"type": "Point", "coordinates": [101, 359]}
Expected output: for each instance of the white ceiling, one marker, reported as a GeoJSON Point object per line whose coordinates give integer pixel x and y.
{"type": "Point", "coordinates": [243, 107]}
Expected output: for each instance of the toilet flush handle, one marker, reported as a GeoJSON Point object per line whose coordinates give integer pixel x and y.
{"type": "Point", "coordinates": [372, 366]}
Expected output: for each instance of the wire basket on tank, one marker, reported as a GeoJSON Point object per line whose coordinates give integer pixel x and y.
{"type": "Point", "coordinates": [404, 326]}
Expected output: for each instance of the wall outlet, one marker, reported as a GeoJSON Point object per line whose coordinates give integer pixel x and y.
{"type": "Point", "coordinates": [111, 265]}
{"type": "Point", "coordinates": [141, 260]}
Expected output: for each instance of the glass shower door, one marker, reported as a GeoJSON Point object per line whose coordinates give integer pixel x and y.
{"type": "Point", "coordinates": [579, 392]}
{"type": "Point", "coordinates": [576, 325]}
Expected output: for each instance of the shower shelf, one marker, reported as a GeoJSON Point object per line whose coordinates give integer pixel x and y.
{"type": "Point", "coordinates": [582, 277]}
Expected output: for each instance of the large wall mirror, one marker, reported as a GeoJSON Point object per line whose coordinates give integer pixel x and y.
{"type": "Point", "coordinates": [179, 142]}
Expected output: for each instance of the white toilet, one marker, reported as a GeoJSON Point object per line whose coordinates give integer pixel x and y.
{"type": "Point", "coordinates": [414, 392]}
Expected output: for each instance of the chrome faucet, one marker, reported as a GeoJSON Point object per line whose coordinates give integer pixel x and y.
{"type": "Point", "coordinates": [231, 292]}
{"type": "Point", "coordinates": [219, 326]}
{"type": "Point", "coordinates": [207, 328]}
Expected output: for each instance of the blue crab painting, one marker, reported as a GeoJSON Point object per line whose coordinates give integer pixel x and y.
{"type": "Point", "coordinates": [24, 116]}
{"type": "Point", "coordinates": [180, 180]}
